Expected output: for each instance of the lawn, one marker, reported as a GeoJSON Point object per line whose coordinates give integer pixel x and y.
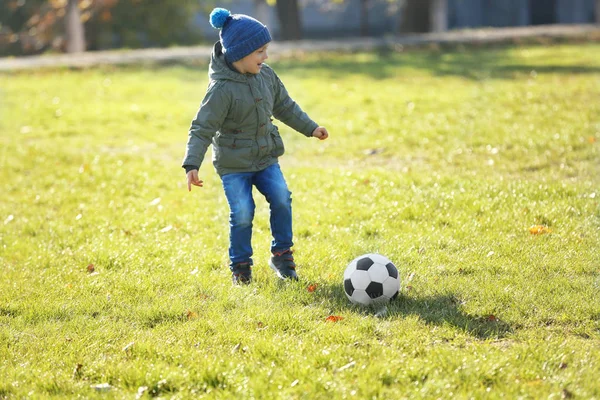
{"type": "Point", "coordinates": [477, 171]}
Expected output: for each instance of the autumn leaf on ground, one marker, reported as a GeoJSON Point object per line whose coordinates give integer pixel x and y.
{"type": "Point", "coordinates": [191, 315]}
{"type": "Point", "coordinates": [90, 268]}
{"type": "Point", "coordinates": [102, 387]}
{"type": "Point", "coordinates": [334, 318]}
{"type": "Point", "coordinates": [491, 318]}
{"type": "Point", "coordinates": [238, 347]}
{"type": "Point", "coordinates": [592, 139]}
{"type": "Point", "coordinates": [77, 371]}
{"type": "Point", "coordinates": [311, 288]}
{"type": "Point", "coordinates": [128, 347]}
{"type": "Point", "coordinates": [539, 230]}
{"type": "Point", "coordinates": [349, 365]}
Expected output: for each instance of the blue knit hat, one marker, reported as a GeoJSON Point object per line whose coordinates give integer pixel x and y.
{"type": "Point", "coordinates": [240, 34]}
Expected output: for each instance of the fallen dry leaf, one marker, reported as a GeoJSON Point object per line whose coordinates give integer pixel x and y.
{"type": "Point", "coordinates": [349, 365]}
{"type": "Point", "coordinates": [141, 392]}
{"type": "Point", "coordinates": [539, 230]}
{"type": "Point", "coordinates": [491, 318]}
{"type": "Point", "coordinates": [128, 347]}
{"type": "Point", "coordinates": [102, 387]}
{"type": "Point", "coordinates": [90, 268]}
{"type": "Point", "coordinates": [191, 315]}
{"type": "Point", "coordinates": [312, 288]}
{"type": "Point", "coordinates": [592, 139]}
{"type": "Point", "coordinates": [77, 371]}
{"type": "Point", "coordinates": [334, 318]}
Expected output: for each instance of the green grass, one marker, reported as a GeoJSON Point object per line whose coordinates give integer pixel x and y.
{"type": "Point", "coordinates": [441, 160]}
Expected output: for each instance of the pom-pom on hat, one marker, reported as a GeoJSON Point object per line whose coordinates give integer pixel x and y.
{"type": "Point", "coordinates": [240, 34]}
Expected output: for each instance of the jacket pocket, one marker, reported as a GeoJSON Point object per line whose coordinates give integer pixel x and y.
{"type": "Point", "coordinates": [278, 147]}
{"type": "Point", "coordinates": [234, 153]}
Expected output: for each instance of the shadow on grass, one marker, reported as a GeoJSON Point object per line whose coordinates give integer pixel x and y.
{"type": "Point", "coordinates": [440, 310]}
{"type": "Point", "coordinates": [444, 310]}
{"type": "Point", "coordinates": [470, 62]}
{"type": "Point", "coordinates": [473, 64]}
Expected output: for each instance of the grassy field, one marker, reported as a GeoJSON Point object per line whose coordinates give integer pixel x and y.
{"type": "Point", "coordinates": [112, 273]}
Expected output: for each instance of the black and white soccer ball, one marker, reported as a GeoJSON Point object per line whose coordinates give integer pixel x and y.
{"type": "Point", "coordinates": [371, 279]}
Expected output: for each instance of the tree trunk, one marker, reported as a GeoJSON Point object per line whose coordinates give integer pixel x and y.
{"type": "Point", "coordinates": [75, 35]}
{"type": "Point", "coordinates": [261, 11]}
{"type": "Point", "coordinates": [364, 18]}
{"type": "Point", "coordinates": [288, 14]}
{"type": "Point", "coordinates": [414, 16]}
{"type": "Point", "coordinates": [438, 14]}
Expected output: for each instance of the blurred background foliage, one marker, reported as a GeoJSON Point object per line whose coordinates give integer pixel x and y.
{"type": "Point", "coordinates": [40, 26]}
{"type": "Point", "coordinates": [37, 26]}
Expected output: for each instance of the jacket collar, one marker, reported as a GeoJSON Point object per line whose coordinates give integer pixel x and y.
{"type": "Point", "coordinates": [220, 69]}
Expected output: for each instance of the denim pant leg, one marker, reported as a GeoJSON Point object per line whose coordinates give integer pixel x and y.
{"type": "Point", "coordinates": [238, 190]}
{"type": "Point", "coordinates": [271, 183]}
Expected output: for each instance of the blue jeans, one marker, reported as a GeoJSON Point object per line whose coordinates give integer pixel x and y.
{"type": "Point", "coordinates": [238, 190]}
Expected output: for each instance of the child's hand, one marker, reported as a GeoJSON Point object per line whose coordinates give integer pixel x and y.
{"type": "Point", "coordinates": [320, 133]}
{"type": "Point", "coordinates": [192, 179]}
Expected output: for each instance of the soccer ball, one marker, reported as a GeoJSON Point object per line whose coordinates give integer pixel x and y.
{"type": "Point", "coordinates": [371, 279]}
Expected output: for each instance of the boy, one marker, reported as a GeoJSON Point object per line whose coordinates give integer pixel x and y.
{"type": "Point", "coordinates": [235, 117]}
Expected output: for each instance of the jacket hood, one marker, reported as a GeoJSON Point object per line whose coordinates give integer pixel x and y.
{"type": "Point", "coordinates": [218, 68]}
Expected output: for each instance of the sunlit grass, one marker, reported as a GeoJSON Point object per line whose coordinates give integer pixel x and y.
{"type": "Point", "coordinates": [442, 161]}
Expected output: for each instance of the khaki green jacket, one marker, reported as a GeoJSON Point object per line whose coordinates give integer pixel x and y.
{"type": "Point", "coordinates": [235, 116]}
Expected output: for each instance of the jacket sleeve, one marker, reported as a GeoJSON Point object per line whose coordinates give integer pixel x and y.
{"type": "Point", "coordinates": [289, 112]}
{"type": "Point", "coordinates": [208, 121]}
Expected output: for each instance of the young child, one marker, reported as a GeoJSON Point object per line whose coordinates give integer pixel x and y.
{"type": "Point", "coordinates": [235, 117]}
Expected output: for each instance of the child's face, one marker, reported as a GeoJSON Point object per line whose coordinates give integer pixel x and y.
{"type": "Point", "coordinates": [252, 63]}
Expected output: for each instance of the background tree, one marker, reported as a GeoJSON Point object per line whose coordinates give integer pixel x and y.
{"type": "Point", "coordinates": [261, 11]}
{"type": "Point", "coordinates": [288, 13]}
{"type": "Point", "coordinates": [438, 15]}
{"type": "Point", "coordinates": [414, 16]}
{"type": "Point", "coordinates": [364, 17]}
{"type": "Point", "coordinates": [420, 16]}
{"type": "Point", "coordinates": [35, 26]}
{"type": "Point", "coordinates": [135, 23]}
{"type": "Point", "coordinates": [20, 23]}
{"type": "Point", "coordinates": [74, 30]}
